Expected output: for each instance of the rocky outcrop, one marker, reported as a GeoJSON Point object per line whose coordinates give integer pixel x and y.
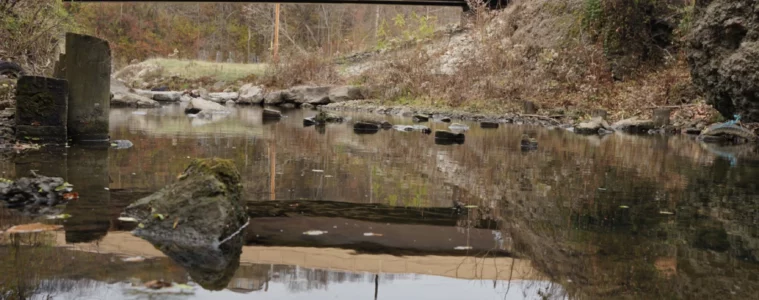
{"type": "Point", "coordinates": [132, 100]}
{"type": "Point", "coordinates": [198, 221]}
{"type": "Point", "coordinates": [592, 126]}
{"type": "Point", "coordinates": [724, 56]}
{"type": "Point", "coordinates": [251, 94]}
{"type": "Point", "coordinates": [205, 105]}
{"type": "Point", "coordinates": [274, 98]}
{"type": "Point", "coordinates": [727, 132]}
{"type": "Point", "coordinates": [307, 94]}
{"type": "Point", "coordinates": [223, 97]}
{"type": "Point", "coordinates": [345, 93]}
{"type": "Point", "coordinates": [634, 125]}
{"type": "Point", "coordinates": [161, 96]}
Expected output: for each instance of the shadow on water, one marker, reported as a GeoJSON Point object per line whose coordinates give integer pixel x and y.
{"type": "Point", "coordinates": [613, 217]}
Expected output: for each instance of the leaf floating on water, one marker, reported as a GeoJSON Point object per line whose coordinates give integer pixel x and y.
{"type": "Point", "coordinates": [59, 217]}
{"type": "Point", "coordinates": [63, 187]}
{"type": "Point", "coordinates": [314, 232]}
{"type": "Point", "coordinates": [159, 216]}
{"type": "Point", "coordinates": [127, 219]}
{"type": "Point", "coordinates": [463, 248]}
{"type": "Point", "coordinates": [133, 259]}
{"type": "Point", "coordinates": [34, 227]}
{"type": "Point", "coordinates": [624, 206]}
{"type": "Point", "coordinates": [317, 171]}
{"type": "Point", "coordinates": [71, 196]}
{"type": "Point", "coordinates": [664, 212]}
{"type": "Point", "coordinates": [141, 225]}
{"type": "Point", "coordinates": [372, 234]}
{"type": "Point", "coordinates": [176, 221]}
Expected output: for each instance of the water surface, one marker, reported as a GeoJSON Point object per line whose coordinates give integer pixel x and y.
{"type": "Point", "coordinates": [629, 217]}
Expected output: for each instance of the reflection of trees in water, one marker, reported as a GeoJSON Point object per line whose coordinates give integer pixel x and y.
{"type": "Point", "coordinates": [298, 279]}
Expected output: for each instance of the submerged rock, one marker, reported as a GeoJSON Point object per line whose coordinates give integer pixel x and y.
{"type": "Point", "coordinates": [33, 194]}
{"type": "Point", "coordinates": [198, 221]}
{"type": "Point", "coordinates": [409, 128]}
{"type": "Point", "coordinates": [527, 143]}
{"type": "Point", "coordinates": [420, 118]}
{"type": "Point", "coordinates": [447, 137]}
{"type": "Point", "coordinates": [271, 114]}
{"type": "Point", "coordinates": [489, 124]}
{"type": "Point", "coordinates": [366, 126]}
{"type": "Point", "coordinates": [323, 117]}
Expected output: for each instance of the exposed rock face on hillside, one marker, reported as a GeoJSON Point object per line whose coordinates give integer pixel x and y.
{"type": "Point", "coordinates": [724, 56]}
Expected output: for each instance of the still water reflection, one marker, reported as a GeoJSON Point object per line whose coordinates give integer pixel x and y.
{"type": "Point", "coordinates": [587, 217]}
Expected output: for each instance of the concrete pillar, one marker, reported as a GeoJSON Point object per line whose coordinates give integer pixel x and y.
{"type": "Point", "coordinates": [88, 71]}
{"type": "Point", "coordinates": [60, 67]}
{"type": "Point", "coordinates": [41, 109]}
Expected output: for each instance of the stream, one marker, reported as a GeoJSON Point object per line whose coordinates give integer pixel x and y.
{"type": "Point", "coordinates": [400, 216]}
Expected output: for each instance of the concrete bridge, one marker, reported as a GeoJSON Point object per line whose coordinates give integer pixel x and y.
{"type": "Point", "coordinates": [493, 4]}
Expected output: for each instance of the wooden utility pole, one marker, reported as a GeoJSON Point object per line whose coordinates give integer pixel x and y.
{"type": "Point", "coordinates": [275, 47]}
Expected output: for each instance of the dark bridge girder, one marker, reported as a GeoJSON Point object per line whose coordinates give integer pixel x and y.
{"type": "Point", "coordinates": [493, 4]}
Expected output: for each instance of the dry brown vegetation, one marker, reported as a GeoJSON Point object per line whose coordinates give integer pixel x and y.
{"type": "Point", "coordinates": [558, 54]}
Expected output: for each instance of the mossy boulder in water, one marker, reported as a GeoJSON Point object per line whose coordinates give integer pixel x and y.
{"type": "Point", "coordinates": [198, 221]}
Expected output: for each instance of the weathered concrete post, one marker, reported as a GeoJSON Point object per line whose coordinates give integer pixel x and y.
{"type": "Point", "coordinates": [88, 70]}
{"type": "Point", "coordinates": [59, 71]}
{"type": "Point", "coordinates": [41, 109]}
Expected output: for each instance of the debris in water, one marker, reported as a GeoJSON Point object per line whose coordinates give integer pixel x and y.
{"type": "Point", "coordinates": [71, 196]}
{"type": "Point", "coordinates": [107, 189]}
{"type": "Point", "coordinates": [157, 284]}
{"type": "Point", "coordinates": [34, 227]}
{"type": "Point", "coordinates": [317, 171]}
{"type": "Point", "coordinates": [127, 219]}
{"type": "Point", "coordinates": [314, 232]}
{"type": "Point", "coordinates": [372, 234]}
{"type": "Point", "coordinates": [601, 189]}
{"type": "Point", "coordinates": [470, 206]}
{"type": "Point", "coordinates": [159, 216]}
{"type": "Point", "coordinates": [624, 206]}
{"type": "Point", "coordinates": [59, 217]}
{"type": "Point", "coordinates": [176, 221]}
{"type": "Point", "coordinates": [462, 248]}
{"type": "Point", "coordinates": [133, 259]}
{"type": "Point", "coordinates": [64, 187]}
{"type": "Point", "coordinates": [664, 212]}
{"type": "Point", "coordinates": [141, 225]}
{"type": "Point", "coordinates": [328, 176]}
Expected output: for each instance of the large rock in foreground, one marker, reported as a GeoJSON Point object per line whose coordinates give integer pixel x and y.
{"type": "Point", "coordinates": [205, 205]}
{"type": "Point", "coordinates": [198, 221]}
{"type": "Point", "coordinates": [724, 56]}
